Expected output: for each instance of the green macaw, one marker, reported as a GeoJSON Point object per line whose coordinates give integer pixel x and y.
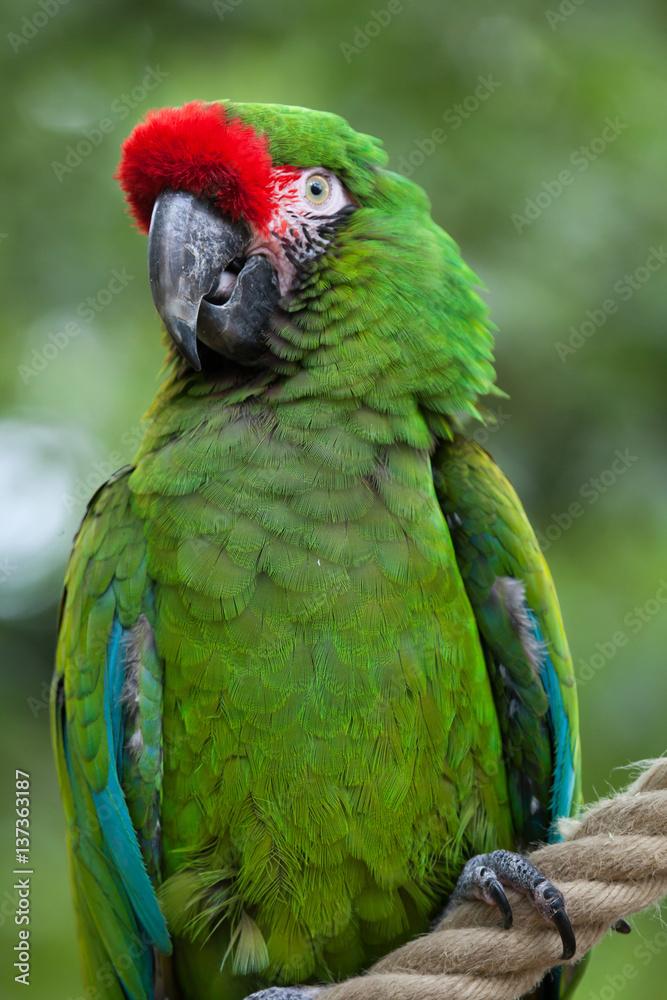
{"type": "Point", "coordinates": [311, 663]}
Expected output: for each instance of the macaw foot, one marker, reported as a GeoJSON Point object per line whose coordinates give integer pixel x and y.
{"type": "Point", "coordinates": [485, 875]}
{"type": "Point", "coordinates": [284, 993]}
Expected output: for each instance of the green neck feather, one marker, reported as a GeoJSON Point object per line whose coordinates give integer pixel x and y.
{"type": "Point", "coordinates": [386, 321]}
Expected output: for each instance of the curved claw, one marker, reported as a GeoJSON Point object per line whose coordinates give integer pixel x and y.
{"type": "Point", "coordinates": [567, 936]}
{"type": "Point", "coordinates": [496, 891]}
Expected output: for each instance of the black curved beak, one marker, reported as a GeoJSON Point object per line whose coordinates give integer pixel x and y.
{"type": "Point", "coordinates": [191, 246]}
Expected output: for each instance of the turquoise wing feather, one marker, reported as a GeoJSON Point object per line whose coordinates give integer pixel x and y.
{"type": "Point", "coordinates": [512, 594]}
{"type": "Point", "coordinates": [102, 648]}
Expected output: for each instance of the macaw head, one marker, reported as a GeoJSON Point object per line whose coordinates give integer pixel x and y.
{"type": "Point", "coordinates": [277, 237]}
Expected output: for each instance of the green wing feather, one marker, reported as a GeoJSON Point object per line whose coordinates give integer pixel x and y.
{"type": "Point", "coordinates": [522, 633]}
{"type": "Point", "coordinates": [103, 613]}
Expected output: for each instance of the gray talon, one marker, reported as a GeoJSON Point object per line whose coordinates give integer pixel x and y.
{"type": "Point", "coordinates": [497, 892]}
{"type": "Point", "coordinates": [484, 876]}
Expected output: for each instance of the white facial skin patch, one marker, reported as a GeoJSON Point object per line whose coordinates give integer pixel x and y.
{"type": "Point", "coordinates": [305, 201]}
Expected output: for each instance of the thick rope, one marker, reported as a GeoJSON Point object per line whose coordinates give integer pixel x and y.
{"type": "Point", "coordinates": [612, 864]}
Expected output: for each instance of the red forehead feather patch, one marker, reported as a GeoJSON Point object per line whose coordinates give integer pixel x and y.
{"type": "Point", "coordinates": [197, 148]}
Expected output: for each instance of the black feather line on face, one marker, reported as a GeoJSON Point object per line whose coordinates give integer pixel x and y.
{"type": "Point", "coordinates": [293, 259]}
{"type": "Point", "coordinates": [315, 237]}
{"type": "Point", "coordinates": [333, 222]}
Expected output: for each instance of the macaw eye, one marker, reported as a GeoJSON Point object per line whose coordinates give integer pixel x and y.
{"type": "Point", "coordinates": [318, 189]}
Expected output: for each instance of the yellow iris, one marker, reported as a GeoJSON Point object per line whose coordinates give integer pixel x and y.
{"type": "Point", "coordinates": [318, 189]}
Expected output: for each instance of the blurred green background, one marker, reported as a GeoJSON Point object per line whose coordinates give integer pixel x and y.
{"type": "Point", "coordinates": [518, 94]}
